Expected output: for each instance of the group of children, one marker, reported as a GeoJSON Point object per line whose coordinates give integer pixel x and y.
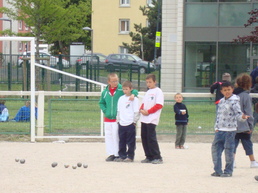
{"type": "Point", "coordinates": [120, 106]}
{"type": "Point", "coordinates": [234, 123]}
{"type": "Point", "coordinates": [23, 114]}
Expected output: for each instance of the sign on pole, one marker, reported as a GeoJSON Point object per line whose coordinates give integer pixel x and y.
{"type": "Point", "coordinates": [157, 43]}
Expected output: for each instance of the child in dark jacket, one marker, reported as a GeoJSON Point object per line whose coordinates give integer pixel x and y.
{"type": "Point", "coordinates": [181, 118]}
{"type": "Point", "coordinates": [216, 86]}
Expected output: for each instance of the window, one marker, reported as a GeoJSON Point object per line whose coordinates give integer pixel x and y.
{"type": "Point", "coordinates": [234, 14]}
{"type": "Point", "coordinates": [124, 3]}
{"type": "Point", "coordinates": [26, 27]}
{"type": "Point", "coordinates": [208, 13]}
{"type": "Point", "coordinates": [123, 50]}
{"type": "Point", "coordinates": [124, 26]}
{"type": "Point", "coordinates": [149, 2]}
{"type": "Point", "coordinates": [200, 64]}
{"type": "Point", "coordinates": [20, 25]}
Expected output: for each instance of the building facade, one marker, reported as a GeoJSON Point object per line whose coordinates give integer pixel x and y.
{"type": "Point", "coordinates": [112, 21]}
{"type": "Point", "coordinates": [197, 42]}
{"type": "Point", "coordinates": [16, 27]}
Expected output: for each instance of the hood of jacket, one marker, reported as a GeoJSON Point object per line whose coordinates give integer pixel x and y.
{"type": "Point", "coordinates": [238, 90]}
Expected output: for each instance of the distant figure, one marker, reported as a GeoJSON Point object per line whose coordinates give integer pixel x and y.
{"type": "Point", "coordinates": [181, 121]}
{"type": "Point", "coordinates": [254, 74]}
{"type": "Point", "coordinates": [217, 86]}
{"type": "Point", "coordinates": [23, 114]}
{"type": "Point", "coordinates": [4, 115]}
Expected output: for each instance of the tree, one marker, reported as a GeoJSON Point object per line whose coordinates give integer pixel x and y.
{"type": "Point", "coordinates": [53, 21]}
{"type": "Point", "coordinates": [146, 35]}
{"type": "Point", "coordinates": [254, 34]}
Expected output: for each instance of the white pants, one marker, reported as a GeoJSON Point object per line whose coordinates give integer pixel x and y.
{"type": "Point", "coordinates": [111, 138]}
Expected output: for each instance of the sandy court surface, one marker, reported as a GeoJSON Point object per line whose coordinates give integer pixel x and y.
{"type": "Point", "coordinates": [183, 170]}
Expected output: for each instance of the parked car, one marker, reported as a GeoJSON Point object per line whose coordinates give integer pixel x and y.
{"type": "Point", "coordinates": [53, 60]}
{"type": "Point", "coordinates": [97, 59]}
{"type": "Point", "coordinates": [116, 61]}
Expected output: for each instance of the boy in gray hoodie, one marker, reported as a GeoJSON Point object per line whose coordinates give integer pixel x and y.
{"type": "Point", "coordinates": [228, 114]}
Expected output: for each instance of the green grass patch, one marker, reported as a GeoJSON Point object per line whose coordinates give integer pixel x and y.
{"type": "Point", "coordinates": [81, 116]}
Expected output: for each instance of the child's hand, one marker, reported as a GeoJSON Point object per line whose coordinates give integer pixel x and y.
{"type": "Point", "coordinates": [144, 112]}
{"type": "Point", "coordinates": [131, 98]}
{"type": "Point", "coordinates": [245, 116]}
{"type": "Point", "coordinates": [183, 113]}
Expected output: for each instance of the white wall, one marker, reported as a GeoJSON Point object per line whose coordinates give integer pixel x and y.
{"type": "Point", "coordinates": [172, 46]}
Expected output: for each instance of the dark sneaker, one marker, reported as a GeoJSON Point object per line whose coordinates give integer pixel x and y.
{"type": "Point", "coordinates": [110, 158]}
{"type": "Point", "coordinates": [128, 160]}
{"type": "Point", "coordinates": [215, 174]}
{"type": "Point", "coordinates": [146, 161]}
{"type": "Point", "coordinates": [157, 161]}
{"type": "Point", "coordinates": [118, 159]}
{"type": "Point", "coordinates": [225, 175]}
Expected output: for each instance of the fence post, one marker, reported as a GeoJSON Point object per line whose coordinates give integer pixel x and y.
{"type": "Point", "coordinates": [40, 126]}
{"type": "Point", "coordinates": [9, 75]}
{"type": "Point", "coordinates": [28, 76]}
{"type": "Point", "coordinates": [77, 82]}
{"type": "Point", "coordinates": [60, 67]}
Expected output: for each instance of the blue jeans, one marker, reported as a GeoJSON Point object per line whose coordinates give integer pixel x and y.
{"type": "Point", "coordinates": [223, 140]}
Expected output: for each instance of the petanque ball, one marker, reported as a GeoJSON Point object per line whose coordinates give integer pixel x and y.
{"type": "Point", "coordinates": [66, 166]}
{"type": "Point", "coordinates": [74, 167]}
{"type": "Point", "coordinates": [79, 164]}
{"type": "Point", "coordinates": [22, 161]}
{"type": "Point", "coordinates": [85, 165]}
{"type": "Point", "coordinates": [256, 178]}
{"type": "Point", "coordinates": [17, 160]}
{"type": "Point", "coordinates": [54, 164]}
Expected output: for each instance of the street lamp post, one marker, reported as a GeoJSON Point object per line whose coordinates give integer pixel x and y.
{"type": "Point", "coordinates": [91, 30]}
{"type": "Point", "coordinates": [157, 41]}
{"type": "Point", "coordinates": [7, 19]}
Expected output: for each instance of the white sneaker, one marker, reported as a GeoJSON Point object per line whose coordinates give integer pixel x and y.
{"type": "Point", "coordinates": [254, 164]}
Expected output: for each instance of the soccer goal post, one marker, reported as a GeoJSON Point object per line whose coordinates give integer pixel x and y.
{"type": "Point", "coordinates": [32, 45]}
{"type": "Point", "coordinates": [32, 92]}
